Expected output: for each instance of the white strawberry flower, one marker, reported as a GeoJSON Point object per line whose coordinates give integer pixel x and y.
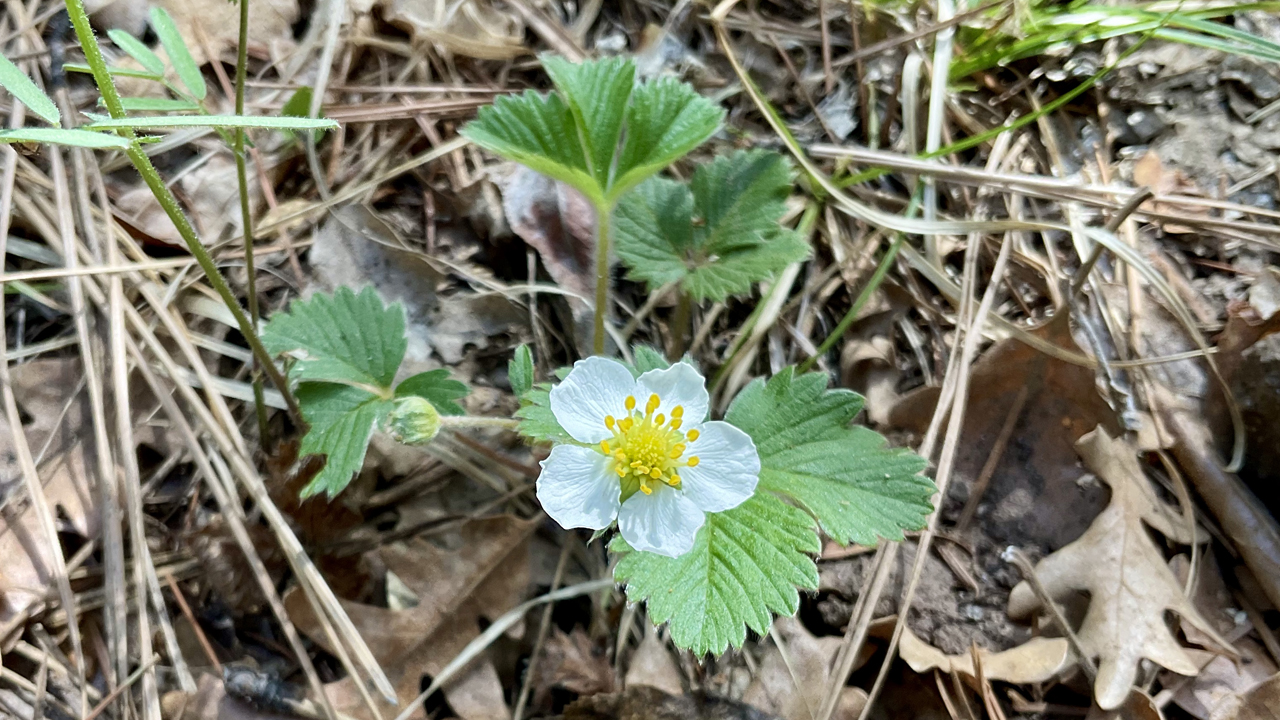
{"type": "Point", "coordinates": [646, 457]}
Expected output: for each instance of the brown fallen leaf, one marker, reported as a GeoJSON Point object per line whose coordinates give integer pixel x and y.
{"type": "Point", "coordinates": [1035, 661]}
{"type": "Point", "coordinates": [471, 28]}
{"type": "Point", "coordinates": [648, 703]}
{"type": "Point", "coordinates": [799, 696]}
{"type": "Point", "coordinates": [1136, 706]}
{"type": "Point", "coordinates": [1261, 702]}
{"type": "Point", "coordinates": [486, 576]}
{"type": "Point", "coordinates": [1222, 680]}
{"type": "Point", "coordinates": [652, 665]}
{"type": "Point", "coordinates": [1130, 586]}
{"type": "Point", "coordinates": [270, 22]}
{"type": "Point", "coordinates": [1033, 496]}
{"type": "Point", "coordinates": [572, 662]}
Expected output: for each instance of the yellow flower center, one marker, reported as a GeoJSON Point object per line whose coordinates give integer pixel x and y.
{"type": "Point", "coordinates": [648, 450]}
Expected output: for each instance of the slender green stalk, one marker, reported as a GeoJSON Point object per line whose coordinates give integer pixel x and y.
{"type": "Point", "coordinates": [164, 196]}
{"type": "Point", "coordinates": [246, 216]}
{"type": "Point", "coordinates": [872, 284]}
{"type": "Point", "coordinates": [604, 214]}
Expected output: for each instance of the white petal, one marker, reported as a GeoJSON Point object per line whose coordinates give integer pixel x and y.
{"type": "Point", "coordinates": [728, 468]}
{"type": "Point", "coordinates": [577, 489]}
{"type": "Point", "coordinates": [665, 522]}
{"type": "Point", "coordinates": [596, 387]}
{"type": "Point", "coordinates": [680, 384]}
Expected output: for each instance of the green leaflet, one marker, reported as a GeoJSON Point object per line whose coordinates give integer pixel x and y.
{"type": "Point", "coordinates": [749, 561]}
{"type": "Point", "coordinates": [520, 371]}
{"type": "Point", "coordinates": [137, 50]}
{"type": "Point", "coordinates": [179, 56]}
{"type": "Point", "coordinates": [858, 489]}
{"type": "Point", "coordinates": [599, 132]}
{"type": "Point", "coordinates": [719, 234]}
{"type": "Point", "coordinates": [536, 419]}
{"type": "Point", "coordinates": [342, 420]}
{"type": "Point", "coordinates": [216, 121]}
{"type": "Point", "coordinates": [340, 338]}
{"type": "Point", "coordinates": [746, 563]}
{"type": "Point", "coordinates": [436, 387]}
{"type": "Point", "coordinates": [63, 136]}
{"type": "Point", "coordinates": [26, 92]}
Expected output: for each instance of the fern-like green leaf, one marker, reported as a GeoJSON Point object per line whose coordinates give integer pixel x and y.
{"type": "Point", "coordinates": [342, 419]}
{"type": "Point", "coordinates": [858, 489]}
{"type": "Point", "coordinates": [746, 563]}
{"type": "Point", "coordinates": [340, 338]}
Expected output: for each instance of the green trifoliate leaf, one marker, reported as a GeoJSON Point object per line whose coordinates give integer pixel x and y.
{"type": "Point", "coordinates": [413, 420]}
{"type": "Point", "coordinates": [342, 419]}
{"type": "Point", "coordinates": [520, 371]}
{"type": "Point", "coordinates": [436, 387]}
{"type": "Point", "coordinates": [179, 56]}
{"type": "Point", "coordinates": [597, 94]}
{"type": "Point", "coordinates": [26, 92]}
{"type": "Point", "coordinates": [137, 50]}
{"type": "Point", "coordinates": [858, 489]}
{"type": "Point", "coordinates": [746, 563]}
{"type": "Point", "coordinates": [665, 120]}
{"type": "Point", "coordinates": [718, 235]}
{"type": "Point", "coordinates": [537, 422]}
{"type": "Point", "coordinates": [538, 131]}
{"type": "Point", "coordinates": [340, 338]}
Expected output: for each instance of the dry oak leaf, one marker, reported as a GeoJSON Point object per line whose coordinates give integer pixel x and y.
{"type": "Point", "coordinates": [1261, 702]}
{"type": "Point", "coordinates": [486, 576]}
{"type": "Point", "coordinates": [270, 23]}
{"type": "Point", "coordinates": [792, 680]}
{"type": "Point", "coordinates": [1038, 660]}
{"type": "Point", "coordinates": [1125, 574]}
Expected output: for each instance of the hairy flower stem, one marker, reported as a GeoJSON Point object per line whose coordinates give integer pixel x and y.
{"type": "Point", "coordinates": [246, 217]}
{"type": "Point", "coordinates": [604, 214]}
{"type": "Point", "coordinates": [476, 421]}
{"type": "Point", "coordinates": [164, 196]}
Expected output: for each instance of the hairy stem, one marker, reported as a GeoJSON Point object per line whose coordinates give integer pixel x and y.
{"type": "Point", "coordinates": [164, 196]}
{"type": "Point", "coordinates": [604, 215]}
{"type": "Point", "coordinates": [246, 217]}
{"type": "Point", "coordinates": [475, 421]}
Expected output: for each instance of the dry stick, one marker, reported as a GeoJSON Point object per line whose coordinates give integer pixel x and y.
{"type": "Point", "coordinates": [1131, 205]}
{"type": "Point", "coordinates": [544, 626]}
{"type": "Point", "coordinates": [946, 464]}
{"type": "Point", "coordinates": [116, 615]}
{"type": "Point", "coordinates": [30, 478]}
{"type": "Point", "coordinates": [993, 460]}
{"type": "Point", "coordinates": [226, 503]}
{"type": "Point", "coordinates": [97, 710]}
{"type": "Point", "coordinates": [203, 639]}
{"type": "Point", "coordinates": [42, 686]}
{"type": "Point", "coordinates": [1016, 556]}
{"type": "Point", "coordinates": [859, 623]}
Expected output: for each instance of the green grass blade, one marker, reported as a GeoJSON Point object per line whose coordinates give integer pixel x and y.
{"type": "Point", "coordinates": [217, 121]}
{"type": "Point", "coordinates": [26, 92]}
{"type": "Point", "coordinates": [115, 71]}
{"type": "Point", "coordinates": [137, 50]}
{"type": "Point", "coordinates": [62, 136]}
{"type": "Point", "coordinates": [179, 55]}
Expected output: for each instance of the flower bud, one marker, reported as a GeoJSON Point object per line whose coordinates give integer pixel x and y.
{"type": "Point", "coordinates": [413, 421]}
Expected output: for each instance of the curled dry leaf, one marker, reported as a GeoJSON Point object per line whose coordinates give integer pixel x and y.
{"type": "Point", "coordinates": [573, 662]}
{"type": "Point", "coordinates": [799, 696]}
{"type": "Point", "coordinates": [1130, 586]}
{"type": "Point", "coordinates": [484, 578]}
{"type": "Point", "coordinates": [653, 665]}
{"type": "Point", "coordinates": [1035, 661]}
{"type": "Point", "coordinates": [1261, 702]}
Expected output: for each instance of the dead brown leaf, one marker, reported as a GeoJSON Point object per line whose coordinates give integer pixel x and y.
{"type": "Point", "coordinates": [1035, 661]}
{"type": "Point", "coordinates": [472, 28]}
{"type": "Point", "coordinates": [486, 576]}
{"type": "Point", "coordinates": [648, 703]}
{"type": "Point", "coordinates": [270, 22]}
{"type": "Point", "coordinates": [1125, 574]}
{"type": "Point", "coordinates": [1261, 702]}
{"type": "Point", "coordinates": [798, 696]}
{"type": "Point", "coordinates": [572, 662]}
{"type": "Point", "coordinates": [653, 665]}
{"type": "Point", "coordinates": [1222, 681]}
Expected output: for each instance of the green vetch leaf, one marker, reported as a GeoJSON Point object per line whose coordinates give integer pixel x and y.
{"type": "Point", "coordinates": [340, 338]}
{"type": "Point", "coordinates": [746, 563]}
{"type": "Point", "coordinates": [25, 91]}
{"type": "Point", "coordinates": [137, 50]}
{"type": "Point", "coordinates": [537, 422]}
{"type": "Point", "coordinates": [179, 56]}
{"type": "Point", "coordinates": [114, 71]}
{"type": "Point", "coordinates": [149, 104]}
{"type": "Point", "coordinates": [520, 371]}
{"type": "Point", "coordinates": [342, 420]}
{"type": "Point", "coordinates": [62, 136]}
{"type": "Point", "coordinates": [597, 93]}
{"type": "Point", "coordinates": [538, 131]}
{"type": "Point", "coordinates": [719, 235]}
{"type": "Point", "coordinates": [217, 121]}
{"type": "Point", "coordinates": [436, 387]}
{"type": "Point", "coordinates": [859, 489]}
{"type": "Point", "coordinates": [665, 120]}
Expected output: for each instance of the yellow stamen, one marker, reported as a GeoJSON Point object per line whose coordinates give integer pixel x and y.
{"type": "Point", "coordinates": [609, 421]}
{"type": "Point", "coordinates": [675, 481]}
{"type": "Point", "coordinates": [677, 411]}
{"type": "Point", "coordinates": [626, 424]}
{"type": "Point", "coordinates": [655, 473]}
{"type": "Point", "coordinates": [604, 447]}
{"type": "Point", "coordinates": [693, 461]}
{"type": "Point", "coordinates": [645, 450]}
{"type": "Point", "coordinates": [660, 419]}
{"type": "Point", "coordinates": [677, 451]}
{"type": "Point", "coordinates": [692, 435]}
{"type": "Point", "coordinates": [652, 405]}
{"type": "Point", "coordinates": [676, 422]}
{"type": "Point", "coordinates": [631, 402]}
